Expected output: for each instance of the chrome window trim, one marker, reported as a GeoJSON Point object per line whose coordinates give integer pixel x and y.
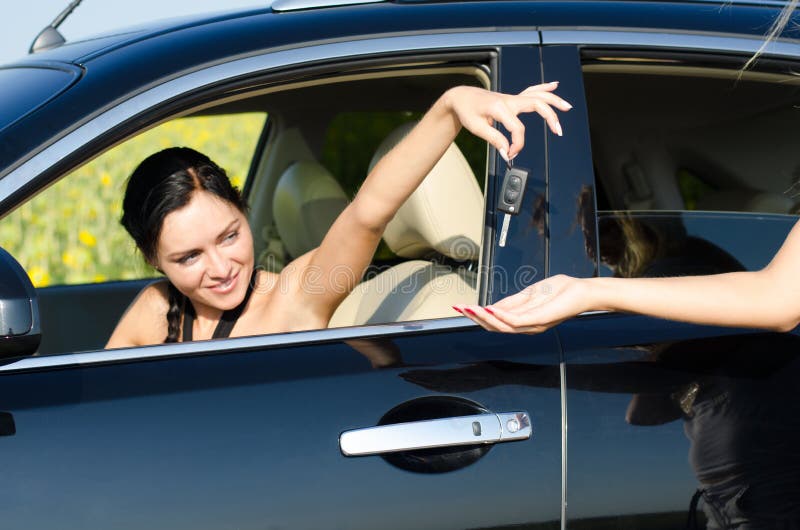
{"type": "Point", "coordinates": [659, 39]}
{"type": "Point", "coordinates": [297, 5]}
{"type": "Point", "coordinates": [263, 62]}
{"type": "Point", "coordinates": [256, 342]}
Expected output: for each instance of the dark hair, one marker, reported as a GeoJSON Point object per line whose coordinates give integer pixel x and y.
{"type": "Point", "coordinates": [162, 183]}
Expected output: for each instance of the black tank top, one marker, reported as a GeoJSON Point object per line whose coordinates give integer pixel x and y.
{"type": "Point", "coordinates": [226, 321]}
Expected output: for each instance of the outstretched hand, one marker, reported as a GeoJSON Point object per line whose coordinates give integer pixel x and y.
{"type": "Point", "coordinates": [535, 309]}
{"type": "Point", "coordinates": [479, 109]}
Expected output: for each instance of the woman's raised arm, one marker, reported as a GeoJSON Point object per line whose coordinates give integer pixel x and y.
{"type": "Point", "coordinates": [327, 274]}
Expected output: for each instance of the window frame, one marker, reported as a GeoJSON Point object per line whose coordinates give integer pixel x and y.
{"type": "Point", "coordinates": [184, 95]}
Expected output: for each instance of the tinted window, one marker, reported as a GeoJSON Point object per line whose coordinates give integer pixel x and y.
{"type": "Point", "coordinates": [22, 90]}
{"type": "Point", "coordinates": [677, 136]}
{"type": "Point", "coordinates": [635, 244]}
{"type": "Point", "coordinates": [696, 164]}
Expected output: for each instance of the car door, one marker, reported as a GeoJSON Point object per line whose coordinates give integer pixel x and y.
{"type": "Point", "coordinates": [674, 425]}
{"type": "Point", "coordinates": [245, 432]}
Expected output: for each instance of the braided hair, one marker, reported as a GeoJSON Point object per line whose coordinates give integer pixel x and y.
{"type": "Point", "coordinates": [162, 183]}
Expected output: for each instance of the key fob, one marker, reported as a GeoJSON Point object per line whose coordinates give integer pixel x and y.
{"type": "Point", "coordinates": [510, 200]}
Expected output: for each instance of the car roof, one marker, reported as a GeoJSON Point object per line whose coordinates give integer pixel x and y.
{"type": "Point", "coordinates": [118, 65]}
{"type": "Point", "coordinates": [83, 50]}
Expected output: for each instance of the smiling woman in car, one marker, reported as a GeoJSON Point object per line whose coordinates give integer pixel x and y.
{"type": "Point", "coordinates": [189, 223]}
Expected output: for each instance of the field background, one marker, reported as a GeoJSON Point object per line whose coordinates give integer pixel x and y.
{"type": "Point", "coordinates": [70, 233]}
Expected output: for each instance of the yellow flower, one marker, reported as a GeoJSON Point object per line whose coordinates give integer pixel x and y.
{"type": "Point", "coordinates": [203, 137]}
{"type": "Point", "coordinates": [68, 259]}
{"type": "Point", "coordinates": [87, 238]}
{"type": "Point", "coordinates": [39, 276]}
{"type": "Point", "coordinates": [105, 179]}
{"type": "Point", "coordinates": [100, 278]}
{"type": "Point", "coordinates": [236, 181]}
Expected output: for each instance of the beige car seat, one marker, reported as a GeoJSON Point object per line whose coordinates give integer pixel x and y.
{"type": "Point", "coordinates": [442, 218]}
{"type": "Point", "coordinates": [306, 202]}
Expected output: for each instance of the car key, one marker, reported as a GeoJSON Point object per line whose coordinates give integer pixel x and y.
{"type": "Point", "coordinates": [511, 197]}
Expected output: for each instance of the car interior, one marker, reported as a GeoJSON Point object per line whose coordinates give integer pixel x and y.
{"type": "Point", "coordinates": [678, 133]}
{"type": "Point", "coordinates": [322, 137]}
{"type": "Point", "coordinates": [432, 247]}
{"type": "Point", "coordinates": [673, 143]}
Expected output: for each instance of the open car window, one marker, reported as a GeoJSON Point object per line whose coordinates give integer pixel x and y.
{"type": "Point", "coordinates": [298, 169]}
{"type": "Point", "coordinates": [324, 140]}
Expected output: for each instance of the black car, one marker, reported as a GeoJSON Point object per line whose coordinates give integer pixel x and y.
{"type": "Point", "coordinates": [674, 161]}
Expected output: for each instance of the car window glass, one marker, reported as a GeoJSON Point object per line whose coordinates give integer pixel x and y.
{"type": "Point", "coordinates": [696, 166]}
{"type": "Point", "coordinates": [70, 233]}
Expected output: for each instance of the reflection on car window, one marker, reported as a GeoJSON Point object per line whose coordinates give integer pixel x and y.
{"type": "Point", "coordinates": [679, 190]}
{"type": "Point", "coordinates": [70, 233]}
{"type": "Point", "coordinates": [681, 136]}
{"type": "Point", "coordinates": [653, 244]}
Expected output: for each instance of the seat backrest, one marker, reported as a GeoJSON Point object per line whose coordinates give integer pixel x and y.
{"type": "Point", "coordinates": [306, 202]}
{"type": "Point", "coordinates": [443, 217]}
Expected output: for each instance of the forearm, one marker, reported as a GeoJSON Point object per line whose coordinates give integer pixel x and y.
{"type": "Point", "coordinates": [739, 299]}
{"type": "Point", "coordinates": [408, 163]}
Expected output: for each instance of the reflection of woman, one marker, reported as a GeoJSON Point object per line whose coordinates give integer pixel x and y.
{"type": "Point", "coordinates": [189, 223]}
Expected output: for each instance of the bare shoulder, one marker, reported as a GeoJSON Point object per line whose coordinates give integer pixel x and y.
{"type": "Point", "coordinates": [277, 304]}
{"type": "Point", "coordinates": [145, 320]}
{"type": "Point", "coordinates": [302, 291]}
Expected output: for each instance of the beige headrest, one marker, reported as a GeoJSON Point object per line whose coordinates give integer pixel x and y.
{"type": "Point", "coordinates": [444, 214]}
{"type": "Point", "coordinates": [306, 202]}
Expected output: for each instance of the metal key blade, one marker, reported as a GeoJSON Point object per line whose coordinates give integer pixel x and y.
{"type": "Point", "coordinates": [504, 230]}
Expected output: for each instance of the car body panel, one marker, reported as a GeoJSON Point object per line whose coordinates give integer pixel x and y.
{"type": "Point", "coordinates": [249, 438]}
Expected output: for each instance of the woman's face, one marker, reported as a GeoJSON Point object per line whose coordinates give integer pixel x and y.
{"type": "Point", "coordinates": [206, 251]}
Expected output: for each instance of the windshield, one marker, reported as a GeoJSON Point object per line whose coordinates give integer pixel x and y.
{"type": "Point", "coordinates": [24, 89]}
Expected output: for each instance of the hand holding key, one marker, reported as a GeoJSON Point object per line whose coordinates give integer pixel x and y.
{"type": "Point", "coordinates": [478, 111]}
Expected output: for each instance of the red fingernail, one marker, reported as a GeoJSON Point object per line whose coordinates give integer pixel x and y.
{"type": "Point", "coordinates": [457, 309]}
{"type": "Point", "coordinates": [489, 311]}
{"type": "Point", "coordinates": [470, 311]}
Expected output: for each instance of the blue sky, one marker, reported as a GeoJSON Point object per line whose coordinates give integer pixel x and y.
{"type": "Point", "coordinates": [22, 21]}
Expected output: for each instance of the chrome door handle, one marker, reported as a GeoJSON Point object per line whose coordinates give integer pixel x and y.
{"type": "Point", "coordinates": [443, 432]}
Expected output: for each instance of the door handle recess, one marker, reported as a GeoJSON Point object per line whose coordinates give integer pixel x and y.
{"type": "Point", "coordinates": [486, 428]}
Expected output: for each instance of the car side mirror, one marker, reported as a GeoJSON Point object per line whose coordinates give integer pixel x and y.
{"type": "Point", "coordinates": [20, 327]}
